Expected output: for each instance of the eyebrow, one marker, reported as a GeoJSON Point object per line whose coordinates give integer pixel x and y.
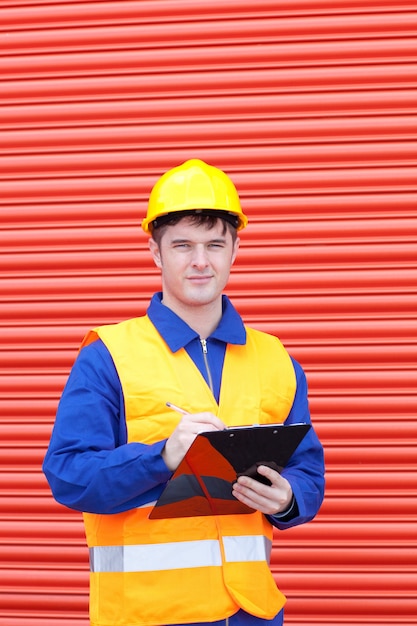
{"type": "Point", "coordinates": [186, 240]}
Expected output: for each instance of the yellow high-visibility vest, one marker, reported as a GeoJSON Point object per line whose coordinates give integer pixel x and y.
{"type": "Point", "coordinates": [198, 569]}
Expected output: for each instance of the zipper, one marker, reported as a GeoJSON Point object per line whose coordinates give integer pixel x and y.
{"type": "Point", "coordinates": [210, 382]}
{"type": "Point", "coordinates": [205, 359]}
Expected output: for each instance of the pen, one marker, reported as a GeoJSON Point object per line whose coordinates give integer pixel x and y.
{"type": "Point", "coordinates": [176, 408]}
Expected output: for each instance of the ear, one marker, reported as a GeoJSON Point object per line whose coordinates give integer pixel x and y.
{"type": "Point", "coordinates": [235, 249]}
{"type": "Point", "coordinates": [155, 252]}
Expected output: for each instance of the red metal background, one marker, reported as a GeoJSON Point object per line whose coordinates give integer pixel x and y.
{"type": "Point", "coordinates": [311, 107]}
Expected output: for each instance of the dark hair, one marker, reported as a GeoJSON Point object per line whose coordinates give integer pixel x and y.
{"type": "Point", "coordinates": [197, 219]}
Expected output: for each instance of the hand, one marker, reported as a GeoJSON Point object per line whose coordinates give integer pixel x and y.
{"type": "Point", "coordinates": [268, 499]}
{"type": "Point", "coordinates": [183, 436]}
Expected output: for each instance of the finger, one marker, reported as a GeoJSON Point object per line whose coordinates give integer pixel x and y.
{"type": "Point", "coordinates": [195, 423]}
{"type": "Point", "coordinates": [251, 488]}
{"type": "Point", "coordinates": [210, 420]}
{"type": "Point", "coordinates": [255, 501]}
{"type": "Point", "coordinates": [264, 498]}
{"type": "Point", "coordinates": [247, 482]}
{"type": "Point", "coordinates": [272, 475]}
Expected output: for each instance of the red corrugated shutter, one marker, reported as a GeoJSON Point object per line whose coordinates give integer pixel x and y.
{"type": "Point", "coordinates": [311, 107]}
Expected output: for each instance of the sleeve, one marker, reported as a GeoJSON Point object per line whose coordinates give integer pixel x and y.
{"type": "Point", "coordinates": [89, 465]}
{"type": "Point", "coordinates": [305, 470]}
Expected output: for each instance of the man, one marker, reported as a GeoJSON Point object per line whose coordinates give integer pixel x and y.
{"type": "Point", "coordinates": [115, 443]}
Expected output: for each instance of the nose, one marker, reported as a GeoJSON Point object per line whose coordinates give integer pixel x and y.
{"type": "Point", "coordinates": [199, 259]}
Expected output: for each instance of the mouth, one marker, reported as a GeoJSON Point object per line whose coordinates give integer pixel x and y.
{"type": "Point", "coordinates": [201, 278]}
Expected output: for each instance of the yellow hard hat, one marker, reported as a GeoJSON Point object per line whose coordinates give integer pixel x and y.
{"type": "Point", "coordinates": [194, 187]}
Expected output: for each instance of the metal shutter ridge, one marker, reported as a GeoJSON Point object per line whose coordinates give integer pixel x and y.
{"type": "Point", "coordinates": [310, 107]}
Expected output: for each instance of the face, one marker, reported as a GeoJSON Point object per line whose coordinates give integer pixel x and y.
{"type": "Point", "coordinates": [195, 263]}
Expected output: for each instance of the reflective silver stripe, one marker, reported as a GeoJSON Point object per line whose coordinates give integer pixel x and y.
{"type": "Point", "coordinates": [177, 555]}
{"type": "Point", "coordinates": [106, 559]}
{"type": "Point", "coordinates": [247, 548]}
{"type": "Point", "coordinates": [155, 557]}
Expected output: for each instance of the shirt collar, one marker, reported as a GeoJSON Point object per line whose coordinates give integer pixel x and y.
{"type": "Point", "coordinates": [177, 334]}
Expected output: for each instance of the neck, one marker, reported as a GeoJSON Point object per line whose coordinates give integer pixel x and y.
{"type": "Point", "coordinates": [204, 319]}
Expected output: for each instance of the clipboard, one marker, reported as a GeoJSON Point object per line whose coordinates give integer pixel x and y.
{"type": "Point", "coordinates": [202, 483]}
